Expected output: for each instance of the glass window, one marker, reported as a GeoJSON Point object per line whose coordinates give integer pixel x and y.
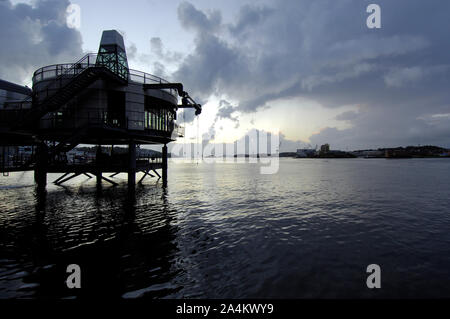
{"type": "Point", "coordinates": [153, 121]}
{"type": "Point", "coordinates": [165, 120]}
{"type": "Point", "coordinates": [158, 122]}
{"type": "Point", "coordinates": [146, 119]}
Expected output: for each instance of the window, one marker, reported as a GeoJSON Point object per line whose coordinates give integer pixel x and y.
{"type": "Point", "coordinates": [160, 119]}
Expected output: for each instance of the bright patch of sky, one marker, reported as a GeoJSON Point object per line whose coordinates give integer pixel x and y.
{"type": "Point", "coordinates": [310, 69]}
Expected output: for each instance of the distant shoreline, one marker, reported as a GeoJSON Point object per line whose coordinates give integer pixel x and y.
{"type": "Point", "coordinates": [425, 151]}
{"type": "Point", "coordinates": [294, 155]}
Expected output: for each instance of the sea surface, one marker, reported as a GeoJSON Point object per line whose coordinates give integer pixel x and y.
{"type": "Point", "coordinates": [226, 231]}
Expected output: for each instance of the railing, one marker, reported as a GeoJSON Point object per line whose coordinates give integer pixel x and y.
{"type": "Point", "coordinates": [61, 71]}
{"type": "Point", "coordinates": [72, 120]}
{"type": "Point", "coordinates": [19, 161]}
{"type": "Point", "coordinates": [54, 71]}
{"type": "Point", "coordinates": [90, 60]}
{"type": "Point", "coordinates": [18, 105]}
{"type": "Point", "coordinates": [115, 159]}
{"type": "Point", "coordinates": [149, 159]}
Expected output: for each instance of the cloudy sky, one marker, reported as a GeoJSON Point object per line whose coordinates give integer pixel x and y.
{"type": "Point", "coordinates": [311, 70]}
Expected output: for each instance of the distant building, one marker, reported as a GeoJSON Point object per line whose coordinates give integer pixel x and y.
{"type": "Point", "coordinates": [10, 93]}
{"type": "Point", "coordinates": [325, 148]}
{"type": "Point", "coordinates": [28, 150]}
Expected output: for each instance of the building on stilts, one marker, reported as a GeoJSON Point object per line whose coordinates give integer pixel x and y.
{"type": "Point", "coordinates": [97, 100]}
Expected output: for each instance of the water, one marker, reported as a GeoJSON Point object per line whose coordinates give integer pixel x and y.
{"type": "Point", "coordinates": [226, 231]}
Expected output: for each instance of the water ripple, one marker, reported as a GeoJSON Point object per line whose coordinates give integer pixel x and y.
{"type": "Point", "coordinates": [225, 231]}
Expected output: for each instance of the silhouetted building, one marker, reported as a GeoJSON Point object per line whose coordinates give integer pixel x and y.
{"type": "Point", "coordinates": [96, 100]}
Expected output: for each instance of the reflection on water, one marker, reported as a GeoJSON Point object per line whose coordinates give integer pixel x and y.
{"type": "Point", "coordinates": [122, 244]}
{"type": "Point", "coordinates": [226, 231]}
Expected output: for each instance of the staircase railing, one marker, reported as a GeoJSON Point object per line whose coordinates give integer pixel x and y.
{"type": "Point", "coordinates": [58, 71]}
{"type": "Point", "coordinates": [90, 60]}
{"type": "Point", "coordinates": [58, 75]}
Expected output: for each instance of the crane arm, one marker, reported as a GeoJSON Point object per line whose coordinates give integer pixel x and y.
{"type": "Point", "coordinates": [186, 100]}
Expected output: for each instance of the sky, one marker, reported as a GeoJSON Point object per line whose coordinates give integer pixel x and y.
{"type": "Point", "coordinates": [311, 70]}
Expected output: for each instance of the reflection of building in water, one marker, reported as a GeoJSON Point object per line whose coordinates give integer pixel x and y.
{"type": "Point", "coordinates": [125, 246]}
{"type": "Point", "coordinates": [97, 100]}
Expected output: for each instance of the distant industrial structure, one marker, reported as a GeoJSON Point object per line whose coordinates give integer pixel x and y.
{"type": "Point", "coordinates": [323, 152]}
{"type": "Point", "coordinates": [97, 100]}
{"type": "Point", "coordinates": [324, 149]}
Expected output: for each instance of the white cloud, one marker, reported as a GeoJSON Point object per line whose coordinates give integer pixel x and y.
{"type": "Point", "coordinates": [322, 51]}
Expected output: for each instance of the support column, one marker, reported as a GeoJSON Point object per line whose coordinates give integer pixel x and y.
{"type": "Point", "coordinates": [98, 164]}
{"type": "Point", "coordinates": [3, 159]}
{"type": "Point", "coordinates": [164, 165]}
{"type": "Point", "coordinates": [131, 165]}
{"type": "Point", "coordinates": [40, 171]}
{"type": "Point", "coordinates": [98, 177]}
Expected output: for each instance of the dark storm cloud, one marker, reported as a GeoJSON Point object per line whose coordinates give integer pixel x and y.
{"type": "Point", "coordinates": [322, 50]}
{"type": "Point", "coordinates": [160, 53]}
{"type": "Point", "coordinates": [249, 16]}
{"type": "Point", "coordinates": [192, 18]}
{"type": "Point", "coordinates": [226, 111]}
{"type": "Point", "coordinates": [34, 36]}
{"type": "Point", "coordinates": [221, 61]}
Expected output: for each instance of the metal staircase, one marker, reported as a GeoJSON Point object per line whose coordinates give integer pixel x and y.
{"type": "Point", "coordinates": [64, 87]}
{"type": "Point", "coordinates": [65, 82]}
